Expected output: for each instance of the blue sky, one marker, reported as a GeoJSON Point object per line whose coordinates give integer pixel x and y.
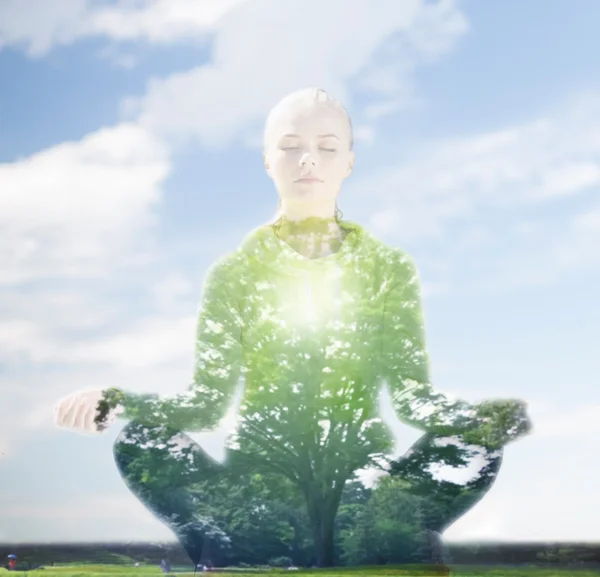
{"type": "Point", "coordinates": [130, 160]}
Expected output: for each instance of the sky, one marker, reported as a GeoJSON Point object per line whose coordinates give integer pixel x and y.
{"type": "Point", "coordinates": [130, 160]}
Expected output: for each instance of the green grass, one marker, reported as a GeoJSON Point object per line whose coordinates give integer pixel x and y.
{"type": "Point", "coordinates": [154, 571]}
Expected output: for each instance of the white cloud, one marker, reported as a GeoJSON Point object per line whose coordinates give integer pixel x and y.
{"type": "Point", "coordinates": [170, 289]}
{"type": "Point", "coordinates": [580, 244]}
{"type": "Point", "coordinates": [4, 447]}
{"type": "Point", "coordinates": [378, 47]}
{"type": "Point", "coordinates": [220, 101]}
{"type": "Point", "coordinates": [576, 423]}
{"type": "Point", "coordinates": [160, 21]}
{"type": "Point", "coordinates": [73, 214]}
{"type": "Point", "coordinates": [481, 524]}
{"type": "Point", "coordinates": [432, 33]}
{"type": "Point", "coordinates": [24, 410]}
{"type": "Point", "coordinates": [38, 26]}
{"type": "Point", "coordinates": [62, 308]}
{"type": "Point", "coordinates": [462, 184]}
{"type": "Point", "coordinates": [540, 161]}
{"type": "Point", "coordinates": [82, 508]}
{"type": "Point", "coordinates": [538, 498]}
{"type": "Point", "coordinates": [79, 207]}
{"type": "Point", "coordinates": [150, 342]}
{"type": "Point", "coordinates": [114, 514]}
{"type": "Point", "coordinates": [549, 252]}
{"type": "Point", "coordinates": [30, 395]}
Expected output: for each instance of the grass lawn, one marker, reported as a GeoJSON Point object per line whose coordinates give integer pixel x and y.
{"type": "Point", "coordinates": [154, 571]}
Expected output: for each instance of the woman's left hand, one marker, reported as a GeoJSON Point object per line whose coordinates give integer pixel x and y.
{"type": "Point", "coordinates": [499, 422]}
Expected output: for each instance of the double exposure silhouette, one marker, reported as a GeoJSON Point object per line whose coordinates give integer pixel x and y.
{"type": "Point", "coordinates": [313, 316]}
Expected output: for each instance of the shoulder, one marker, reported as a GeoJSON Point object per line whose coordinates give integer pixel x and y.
{"type": "Point", "coordinates": [256, 241]}
{"type": "Point", "coordinates": [227, 265]}
{"type": "Point", "coordinates": [396, 266]}
{"type": "Point", "coordinates": [230, 270]}
{"type": "Point", "coordinates": [246, 262]}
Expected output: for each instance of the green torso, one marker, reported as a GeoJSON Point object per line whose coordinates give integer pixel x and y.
{"type": "Point", "coordinates": [312, 342]}
{"type": "Point", "coordinates": [312, 338]}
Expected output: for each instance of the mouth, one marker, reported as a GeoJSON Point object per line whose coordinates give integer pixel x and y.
{"type": "Point", "coordinates": [309, 179]}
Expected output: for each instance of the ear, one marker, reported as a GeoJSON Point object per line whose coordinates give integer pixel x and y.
{"type": "Point", "coordinates": [267, 165]}
{"type": "Point", "coordinates": [351, 163]}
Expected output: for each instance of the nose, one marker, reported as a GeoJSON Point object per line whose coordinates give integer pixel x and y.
{"type": "Point", "coordinates": [307, 159]}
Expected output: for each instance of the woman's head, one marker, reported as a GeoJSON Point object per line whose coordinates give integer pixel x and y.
{"type": "Point", "coordinates": [308, 152]}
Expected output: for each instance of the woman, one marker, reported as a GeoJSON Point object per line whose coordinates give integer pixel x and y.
{"type": "Point", "coordinates": [313, 315]}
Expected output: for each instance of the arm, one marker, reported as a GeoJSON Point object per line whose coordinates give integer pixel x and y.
{"type": "Point", "coordinates": [218, 363]}
{"type": "Point", "coordinates": [405, 363]}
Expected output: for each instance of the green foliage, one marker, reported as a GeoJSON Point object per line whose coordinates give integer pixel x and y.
{"type": "Point", "coordinates": [255, 510]}
{"type": "Point", "coordinates": [385, 528]}
{"type": "Point", "coordinates": [282, 561]}
{"type": "Point", "coordinates": [313, 341]}
{"type": "Point", "coordinates": [562, 555]}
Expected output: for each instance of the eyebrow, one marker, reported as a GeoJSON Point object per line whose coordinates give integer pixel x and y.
{"type": "Point", "coordinates": [318, 136]}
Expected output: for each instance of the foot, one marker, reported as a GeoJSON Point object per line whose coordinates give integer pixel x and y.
{"type": "Point", "coordinates": [439, 551]}
{"type": "Point", "coordinates": [433, 551]}
{"type": "Point", "coordinates": [194, 534]}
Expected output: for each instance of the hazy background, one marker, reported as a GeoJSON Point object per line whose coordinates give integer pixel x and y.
{"type": "Point", "coordinates": [130, 160]}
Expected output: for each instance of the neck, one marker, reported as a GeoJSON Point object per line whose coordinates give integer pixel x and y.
{"type": "Point", "coordinates": [293, 210]}
{"type": "Point", "coordinates": [312, 237]}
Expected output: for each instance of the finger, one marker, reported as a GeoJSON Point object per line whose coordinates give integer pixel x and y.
{"type": "Point", "coordinates": [86, 411]}
{"type": "Point", "coordinates": [80, 414]}
{"type": "Point", "coordinates": [63, 411]}
{"type": "Point", "coordinates": [75, 412]}
{"type": "Point", "coordinates": [68, 412]}
{"type": "Point", "coordinates": [84, 417]}
{"type": "Point", "coordinates": [71, 410]}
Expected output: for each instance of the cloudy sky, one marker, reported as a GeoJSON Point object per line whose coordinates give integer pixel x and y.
{"type": "Point", "coordinates": [130, 160]}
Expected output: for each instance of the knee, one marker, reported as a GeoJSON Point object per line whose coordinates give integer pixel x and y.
{"type": "Point", "coordinates": [124, 437]}
{"type": "Point", "coordinates": [133, 437]}
{"type": "Point", "coordinates": [135, 432]}
{"type": "Point", "coordinates": [119, 449]}
{"type": "Point", "coordinates": [466, 449]}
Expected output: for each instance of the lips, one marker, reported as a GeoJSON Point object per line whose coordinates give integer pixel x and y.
{"type": "Point", "coordinates": [309, 179]}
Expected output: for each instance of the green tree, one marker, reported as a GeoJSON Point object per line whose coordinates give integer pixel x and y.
{"type": "Point", "coordinates": [313, 341]}
{"type": "Point", "coordinates": [253, 511]}
{"type": "Point", "coordinates": [386, 528]}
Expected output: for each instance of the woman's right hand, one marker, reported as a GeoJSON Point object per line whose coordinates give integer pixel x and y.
{"type": "Point", "coordinates": [78, 412]}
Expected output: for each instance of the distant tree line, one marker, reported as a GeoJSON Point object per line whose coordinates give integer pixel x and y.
{"type": "Point", "coordinates": [266, 520]}
{"type": "Point", "coordinates": [32, 555]}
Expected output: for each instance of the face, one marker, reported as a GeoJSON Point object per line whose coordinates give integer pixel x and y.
{"type": "Point", "coordinates": [307, 153]}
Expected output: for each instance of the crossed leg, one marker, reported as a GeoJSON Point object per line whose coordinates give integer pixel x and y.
{"type": "Point", "coordinates": [448, 477]}
{"type": "Point", "coordinates": [162, 467]}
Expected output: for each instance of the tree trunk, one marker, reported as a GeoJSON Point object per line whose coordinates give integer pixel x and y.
{"type": "Point", "coordinates": [295, 545]}
{"type": "Point", "coordinates": [325, 549]}
{"type": "Point", "coordinates": [322, 512]}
